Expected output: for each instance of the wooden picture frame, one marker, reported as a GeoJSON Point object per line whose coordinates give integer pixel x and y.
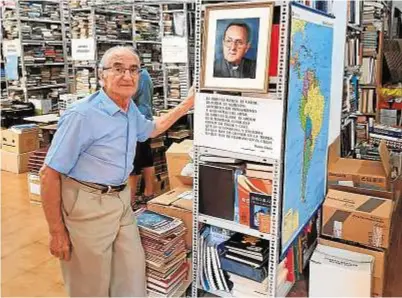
{"type": "Point", "coordinates": [236, 47]}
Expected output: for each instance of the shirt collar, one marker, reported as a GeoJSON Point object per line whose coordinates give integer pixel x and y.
{"type": "Point", "coordinates": [108, 104]}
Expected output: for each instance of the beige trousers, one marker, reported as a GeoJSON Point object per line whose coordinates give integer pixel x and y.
{"type": "Point", "coordinates": [107, 257]}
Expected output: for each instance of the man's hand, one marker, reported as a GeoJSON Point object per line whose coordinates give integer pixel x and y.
{"type": "Point", "coordinates": [191, 95]}
{"type": "Point", "coordinates": [60, 245]}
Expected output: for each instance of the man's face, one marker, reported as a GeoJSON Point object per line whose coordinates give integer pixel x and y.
{"type": "Point", "coordinates": [119, 78]}
{"type": "Point", "coordinates": [235, 44]}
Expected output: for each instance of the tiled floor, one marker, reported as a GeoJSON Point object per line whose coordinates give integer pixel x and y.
{"type": "Point", "coordinates": [27, 268]}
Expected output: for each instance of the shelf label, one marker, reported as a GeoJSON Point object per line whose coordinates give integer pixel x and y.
{"type": "Point", "coordinates": [239, 124]}
{"type": "Point", "coordinates": [83, 49]}
{"type": "Point", "coordinates": [11, 48]}
{"type": "Point", "coordinates": [174, 50]}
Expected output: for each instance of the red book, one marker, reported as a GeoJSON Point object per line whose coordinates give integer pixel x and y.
{"type": "Point", "coordinates": [274, 50]}
{"type": "Point", "coordinates": [290, 265]}
{"type": "Point", "coordinates": [245, 185]}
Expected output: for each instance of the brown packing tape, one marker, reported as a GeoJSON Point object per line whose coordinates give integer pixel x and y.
{"type": "Point", "coordinates": [370, 205]}
{"type": "Point", "coordinates": [369, 192]}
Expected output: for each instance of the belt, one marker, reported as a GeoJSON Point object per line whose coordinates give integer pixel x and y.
{"type": "Point", "coordinates": [104, 189]}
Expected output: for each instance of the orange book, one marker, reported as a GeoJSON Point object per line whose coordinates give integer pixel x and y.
{"type": "Point", "coordinates": [245, 185]}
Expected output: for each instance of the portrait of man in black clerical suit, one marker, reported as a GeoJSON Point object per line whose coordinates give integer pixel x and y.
{"type": "Point", "coordinates": [236, 42]}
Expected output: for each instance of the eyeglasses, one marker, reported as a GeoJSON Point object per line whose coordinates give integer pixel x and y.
{"type": "Point", "coordinates": [228, 42]}
{"type": "Point", "coordinates": [121, 71]}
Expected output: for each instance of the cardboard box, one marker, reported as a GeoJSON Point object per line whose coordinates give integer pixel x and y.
{"type": "Point", "coordinates": [363, 174]}
{"type": "Point", "coordinates": [14, 162]}
{"type": "Point", "coordinates": [358, 218]}
{"type": "Point", "coordinates": [379, 263]}
{"type": "Point", "coordinates": [177, 157]}
{"type": "Point", "coordinates": [19, 143]}
{"type": "Point", "coordinates": [336, 272]}
{"type": "Point", "coordinates": [34, 188]}
{"type": "Point", "coordinates": [42, 106]}
{"type": "Point", "coordinates": [176, 203]}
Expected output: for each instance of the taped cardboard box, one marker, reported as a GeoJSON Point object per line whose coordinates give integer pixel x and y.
{"type": "Point", "coordinates": [19, 142]}
{"type": "Point", "coordinates": [358, 218]}
{"type": "Point", "coordinates": [379, 262]}
{"type": "Point", "coordinates": [14, 162]}
{"type": "Point", "coordinates": [177, 157]}
{"type": "Point", "coordinates": [364, 174]}
{"type": "Point", "coordinates": [176, 203]}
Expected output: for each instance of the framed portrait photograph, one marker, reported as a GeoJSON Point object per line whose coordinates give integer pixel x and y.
{"type": "Point", "coordinates": [236, 45]}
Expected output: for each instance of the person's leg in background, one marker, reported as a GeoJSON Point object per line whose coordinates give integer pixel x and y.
{"type": "Point", "coordinates": [149, 177]}
{"type": "Point", "coordinates": [148, 170]}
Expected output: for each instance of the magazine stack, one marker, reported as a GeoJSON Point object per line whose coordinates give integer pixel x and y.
{"type": "Point", "coordinates": [165, 253]}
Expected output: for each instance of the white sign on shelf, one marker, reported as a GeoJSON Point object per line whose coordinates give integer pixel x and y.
{"type": "Point", "coordinates": [11, 48]}
{"type": "Point", "coordinates": [83, 49]}
{"type": "Point", "coordinates": [238, 124]}
{"type": "Point", "coordinates": [174, 49]}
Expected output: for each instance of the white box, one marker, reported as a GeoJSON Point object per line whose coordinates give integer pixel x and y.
{"type": "Point", "coordinates": [337, 272]}
{"type": "Point", "coordinates": [42, 106]}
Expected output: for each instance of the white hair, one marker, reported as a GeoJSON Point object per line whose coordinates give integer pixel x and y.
{"type": "Point", "coordinates": [112, 51]}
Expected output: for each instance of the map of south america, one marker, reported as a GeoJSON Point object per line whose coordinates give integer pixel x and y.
{"type": "Point", "coordinates": [307, 119]}
{"type": "Point", "coordinates": [311, 111]}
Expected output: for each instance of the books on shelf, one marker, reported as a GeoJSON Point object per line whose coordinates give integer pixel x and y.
{"type": "Point", "coordinates": [254, 202]}
{"type": "Point", "coordinates": [368, 69]}
{"type": "Point", "coordinates": [367, 101]}
{"type": "Point", "coordinates": [352, 51]}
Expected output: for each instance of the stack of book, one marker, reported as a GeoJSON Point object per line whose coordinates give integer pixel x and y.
{"type": "Point", "coordinates": [367, 151]}
{"type": "Point", "coordinates": [36, 161]}
{"type": "Point", "coordinates": [85, 82]}
{"type": "Point", "coordinates": [391, 135]}
{"type": "Point", "coordinates": [372, 11]}
{"type": "Point", "coordinates": [158, 101]}
{"type": "Point", "coordinates": [162, 238]}
{"type": "Point", "coordinates": [10, 27]}
{"type": "Point", "coordinates": [254, 196]}
{"type": "Point", "coordinates": [145, 30]}
{"type": "Point", "coordinates": [82, 25]}
{"type": "Point", "coordinates": [147, 12]}
{"type": "Point", "coordinates": [370, 41]}
{"type": "Point", "coordinates": [168, 24]}
{"type": "Point", "coordinates": [236, 263]}
{"type": "Point", "coordinates": [81, 3]}
{"type": "Point", "coordinates": [30, 9]}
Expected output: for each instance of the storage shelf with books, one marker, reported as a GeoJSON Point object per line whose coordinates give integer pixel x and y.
{"type": "Point", "coordinates": [373, 22]}
{"type": "Point", "coordinates": [37, 32]}
{"type": "Point", "coordinates": [246, 190]}
{"type": "Point", "coordinates": [97, 27]}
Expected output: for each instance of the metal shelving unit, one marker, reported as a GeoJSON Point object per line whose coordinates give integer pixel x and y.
{"type": "Point", "coordinates": [274, 235]}
{"type": "Point", "coordinates": [26, 43]}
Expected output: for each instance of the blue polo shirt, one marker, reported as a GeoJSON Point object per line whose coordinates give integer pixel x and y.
{"type": "Point", "coordinates": [144, 95]}
{"type": "Point", "coordinates": [95, 140]}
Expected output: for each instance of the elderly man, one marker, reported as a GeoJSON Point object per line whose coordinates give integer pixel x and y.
{"type": "Point", "coordinates": [83, 183]}
{"type": "Point", "coordinates": [235, 44]}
